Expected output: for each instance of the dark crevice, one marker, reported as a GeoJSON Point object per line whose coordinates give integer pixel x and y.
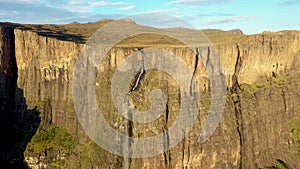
{"type": "Point", "coordinates": [167, 151]}
{"type": "Point", "coordinates": [167, 115]}
{"type": "Point", "coordinates": [283, 94]}
{"type": "Point", "coordinates": [196, 62]}
{"type": "Point", "coordinates": [195, 70]}
{"type": "Point", "coordinates": [270, 46]}
{"type": "Point", "coordinates": [208, 56]}
{"type": "Point", "coordinates": [128, 142]}
{"type": "Point", "coordinates": [189, 155]}
{"type": "Point", "coordinates": [129, 131]}
{"type": "Point", "coordinates": [239, 124]}
{"type": "Point", "coordinates": [235, 97]}
{"type": "Point", "coordinates": [166, 159]}
{"type": "Point", "coordinates": [183, 149]}
{"type": "Point", "coordinates": [238, 65]}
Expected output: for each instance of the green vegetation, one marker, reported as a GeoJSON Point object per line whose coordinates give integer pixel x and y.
{"type": "Point", "coordinates": [225, 38]}
{"type": "Point", "coordinates": [63, 151]}
{"type": "Point", "coordinates": [86, 156]}
{"type": "Point", "coordinates": [234, 96]}
{"type": "Point", "coordinates": [279, 164]}
{"type": "Point", "coordinates": [295, 125]}
{"type": "Point", "coordinates": [272, 82]}
{"type": "Point", "coordinates": [280, 80]}
{"type": "Point", "coordinates": [295, 132]}
{"type": "Point", "coordinates": [53, 137]}
{"type": "Point", "coordinates": [256, 86]}
{"type": "Point", "coordinates": [41, 103]}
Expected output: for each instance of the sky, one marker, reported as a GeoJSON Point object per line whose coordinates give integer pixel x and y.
{"type": "Point", "coordinates": [251, 16]}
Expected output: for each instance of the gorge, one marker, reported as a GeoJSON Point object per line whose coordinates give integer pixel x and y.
{"type": "Point", "coordinates": [260, 122]}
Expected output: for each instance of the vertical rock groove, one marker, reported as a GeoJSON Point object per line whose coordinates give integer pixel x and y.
{"type": "Point", "coordinates": [237, 68]}
{"type": "Point", "coordinates": [167, 114]}
{"type": "Point", "coordinates": [167, 151]}
{"type": "Point", "coordinates": [129, 125]}
{"type": "Point", "coordinates": [195, 70]}
{"type": "Point", "coordinates": [208, 57]}
{"type": "Point", "coordinates": [196, 62]}
{"type": "Point", "coordinates": [283, 94]}
{"type": "Point", "coordinates": [183, 149]}
{"type": "Point", "coordinates": [235, 90]}
{"type": "Point", "coordinates": [239, 124]}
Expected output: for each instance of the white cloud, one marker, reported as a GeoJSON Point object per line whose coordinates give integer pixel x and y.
{"type": "Point", "coordinates": [55, 11]}
{"type": "Point", "coordinates": [80, 7]}
{"type": "Point", "coordinates": [77, 6]}
{"type": "Point", "coordinates": [166, 11]}
{"type": "Point", "coordinates": [128, 8]}
{"type": "Point", "coordinates": [31, 13]}
{"type": "Point", "coordinates": [197, 2]}
{"type": "Point", "coordinates": [21, 1]}
{"type": "Point", "coordinates": [185, 1]}
{"type": "Point", "coordinates": [88, 6]}
{"type": "Point", "coordinates": [288, 2]}
{"type": "Point", "coordinates": [105, 3]}
{"type": "Point", "coordinates": [226, 20]}
{"type": "Point", "coordinates": [160, 20]}
{"type": "Point", "coordinates": [29, 1]}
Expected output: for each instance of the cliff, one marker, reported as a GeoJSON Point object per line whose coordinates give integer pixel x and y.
{"type": "Point", "coordinates": [36, 77]}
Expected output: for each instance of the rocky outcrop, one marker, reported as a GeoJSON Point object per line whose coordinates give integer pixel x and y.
{"type": "Point", "coordinates": [253, 132]}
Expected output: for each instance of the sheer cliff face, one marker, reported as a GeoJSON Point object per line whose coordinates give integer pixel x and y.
{"type": "Point", "coordinates": [261, 55]}
{"type": "Point", "coordinates": [253, 132]}
{"type": "Point", "coordinates": [45, 69]}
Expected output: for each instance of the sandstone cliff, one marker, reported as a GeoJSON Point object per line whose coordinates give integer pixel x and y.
{"type": "Point", "coordinates": [37, 71]}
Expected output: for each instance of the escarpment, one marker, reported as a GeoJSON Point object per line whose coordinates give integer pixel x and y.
{"type": "Point", "coordinates": [36, 80]}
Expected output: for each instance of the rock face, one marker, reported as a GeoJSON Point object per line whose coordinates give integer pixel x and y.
{"type": "Point", "coordinates": [45, 73]}
{"type": "Point", "coordinates": [36, 75]}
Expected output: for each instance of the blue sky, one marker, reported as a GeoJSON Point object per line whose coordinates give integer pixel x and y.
{"type": "Point", "coordinates": [252, 16]}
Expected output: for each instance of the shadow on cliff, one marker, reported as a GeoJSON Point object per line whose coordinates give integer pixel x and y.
{"type": "Point", "coordinates": [57, 33]}
{"type": "Point", "coordinates": [17, 123]}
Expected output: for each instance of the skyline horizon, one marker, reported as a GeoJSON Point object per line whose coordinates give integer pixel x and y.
{"type": "Point", "coordinates": [157, 27]}
{"type": "Point", "coordinates": [250, 16]}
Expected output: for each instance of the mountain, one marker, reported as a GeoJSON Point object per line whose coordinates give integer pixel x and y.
{"type": "Point", "coordinates": [259, 125]}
